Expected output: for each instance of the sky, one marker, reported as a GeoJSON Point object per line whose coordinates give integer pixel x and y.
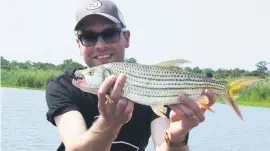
{"type": "Point", "coordinates": [211, 34]}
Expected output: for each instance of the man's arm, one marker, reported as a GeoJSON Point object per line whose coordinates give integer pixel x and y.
{"type": "Point", "coordinates": [64, 113]}
{"type": "Point", "coordinates": [76, 137]}
{"type": "Point", "coordinates": [72, 127]}
{"type": "Point", "coordinates": [158, 129]}
{"type": "Point", "coordinates": [183, 117]}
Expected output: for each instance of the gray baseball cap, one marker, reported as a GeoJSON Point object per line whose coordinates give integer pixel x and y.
{"type": "Point", "coordinates": [106, 8]}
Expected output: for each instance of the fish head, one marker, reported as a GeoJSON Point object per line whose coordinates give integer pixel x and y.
{"type": "Point", "coordinates": [89, 79]}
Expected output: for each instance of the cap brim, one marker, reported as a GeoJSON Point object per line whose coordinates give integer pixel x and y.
{"type": "Point", "coordinates": [100, 14]}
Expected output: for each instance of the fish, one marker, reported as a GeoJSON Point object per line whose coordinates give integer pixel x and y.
{"type": "Point", "coordinates": [156, 85]}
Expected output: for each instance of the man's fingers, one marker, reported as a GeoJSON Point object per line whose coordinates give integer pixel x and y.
{"type": "Point", "coordinates": [210, 95]}
{"type": "Point", "coordinates": [118, 86]}
{"type": "Point", "coordinates": [188, 112]}
{"type": "Point", "coordinates": [129, 108]}
{"type": "Point", "coordinates": [174, 116]}
{"type": "Point", "coordinates": [190, 115]}
{"type": "Point", "coordinates": [180, 114]}
{"type": "Point", "coordinates": [193, 108]}
{"type": "Point", "coordinates": [121, 105]}
{"type": "Point", "coordinates": [128, 111]}
{"type": "Point", "coordinates": [207, 97]}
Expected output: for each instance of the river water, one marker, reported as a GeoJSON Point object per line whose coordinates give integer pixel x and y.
{"type": "Point", "coordinates": [24, 126]}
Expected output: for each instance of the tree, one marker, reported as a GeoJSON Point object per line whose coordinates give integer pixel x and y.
{"type": "Point", "coordinates": [236, 73]}
{"type": "Point", "coordinates": [197, 70]}
{"type": "Point", "coordinates": [4, 63]}
{"type": "Point", "coordinates": [261, 67]}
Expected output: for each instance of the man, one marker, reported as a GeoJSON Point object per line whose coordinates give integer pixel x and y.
{"type": "Point", "coordinates": [85, 122]}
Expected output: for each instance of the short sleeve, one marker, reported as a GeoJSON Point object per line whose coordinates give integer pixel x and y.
{"type": "Point", "coordinates": [58, 100]}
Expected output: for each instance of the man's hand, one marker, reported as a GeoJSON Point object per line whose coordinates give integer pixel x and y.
{"type": "Point", "coordinates": [120, 111]}
{"type": "Point", "coordinates": [99, 137]}
{"type": "Point", "coordinates": [185, 116]}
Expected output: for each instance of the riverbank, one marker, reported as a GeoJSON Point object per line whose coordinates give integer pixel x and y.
{"type": "Point", "coordinates": [21, 87]}
{"type": "Point", "coordinates": [252, 94]}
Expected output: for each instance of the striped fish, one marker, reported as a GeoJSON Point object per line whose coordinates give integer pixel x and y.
{"type": "Point", "coordinates": [156, 85]}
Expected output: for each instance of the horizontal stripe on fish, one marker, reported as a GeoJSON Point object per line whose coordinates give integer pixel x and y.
{"type": "Point", "coordinates": [170, 87]}
{"type": "Point", "coordinates": [155, 94]}
{"type": "Point", "coordinates": [149, 83]}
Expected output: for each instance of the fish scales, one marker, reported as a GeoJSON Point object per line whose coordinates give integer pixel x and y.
{"type": "Point", "coordinates": [152, 84]}
{"type": "Point", "coordinates": [157, 85]}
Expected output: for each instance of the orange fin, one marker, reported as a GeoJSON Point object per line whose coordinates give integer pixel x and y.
{"type": "Point", "coordinates": [204, 103]}
{"type": "Point", "coordinates": [158, 109]}
{"type": "Point", "coordinates": [207, 107]}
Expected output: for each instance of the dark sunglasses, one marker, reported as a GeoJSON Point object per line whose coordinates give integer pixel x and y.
{"type": "Point", "coordinates": [109, 35]}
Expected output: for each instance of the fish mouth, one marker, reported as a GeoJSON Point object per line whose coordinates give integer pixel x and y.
{"type": "Point", "coordinates": [78, 80]}
{"type": "Point", "coordinates": [78, 77]}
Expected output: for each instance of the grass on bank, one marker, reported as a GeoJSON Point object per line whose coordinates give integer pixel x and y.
{"type": "Point", "coordinates": [33, 79]}
{"type": "Point", "coordinates": [257, 94]}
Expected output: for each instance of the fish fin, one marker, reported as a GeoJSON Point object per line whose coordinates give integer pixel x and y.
{"type": "Point", "coordinates": [229, 99]}
{"type": "Point", "coordinates": [173, 63]}
{"type": "Point", "coordinates": [158, 109]}
{"type": "Point", "coordinates": [204, 103]}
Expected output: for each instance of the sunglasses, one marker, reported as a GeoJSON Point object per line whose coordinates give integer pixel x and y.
{"type": "Point", "coordinates": [109, 35]}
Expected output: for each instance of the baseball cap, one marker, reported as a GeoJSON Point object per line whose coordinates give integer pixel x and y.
{"type": "Point", "coordinates": [106, 8]}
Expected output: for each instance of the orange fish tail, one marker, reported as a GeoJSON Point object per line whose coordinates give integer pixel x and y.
{"type": "Point", "coordinates": [229, 99]}
{"type": "Point", "coordinates": [236, 108]}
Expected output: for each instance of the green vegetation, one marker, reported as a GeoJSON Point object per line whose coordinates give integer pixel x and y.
{"type": "Point", "coordinates": [27, 78]}
{"type": "Point", "coordinates": [257, 94]}
{"type": "Point", "coordinates": [32, 74]}
{"type": "Point", "coordinates": [35, 75]}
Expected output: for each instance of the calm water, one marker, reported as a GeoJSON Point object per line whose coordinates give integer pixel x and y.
{"type": "Point", "coordinates": [24, 126]}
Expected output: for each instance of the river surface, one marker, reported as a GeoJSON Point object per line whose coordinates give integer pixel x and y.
{"type": "Point", "coordinates": [24, 126]}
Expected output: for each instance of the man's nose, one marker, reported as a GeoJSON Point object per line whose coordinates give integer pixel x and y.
{"type": "Point", "coordinates": [101, 44]}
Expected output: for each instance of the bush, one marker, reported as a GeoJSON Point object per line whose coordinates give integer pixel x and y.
{"type": "Point", "coordinates": [257, 92]}
{"type": "Point", "coordinates": [27, 78]}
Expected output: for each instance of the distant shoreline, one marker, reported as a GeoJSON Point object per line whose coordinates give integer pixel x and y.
{"type": "Point", "coordinates": [246, 85]}
{"type": "Point", "coordinates": [242, 103]}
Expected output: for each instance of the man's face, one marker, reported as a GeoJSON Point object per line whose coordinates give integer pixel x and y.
{"type": "Point", "coordinates": [99, 52]}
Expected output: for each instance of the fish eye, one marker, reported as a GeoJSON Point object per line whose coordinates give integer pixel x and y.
{"type": "Point", "coordinates": [91, 72]}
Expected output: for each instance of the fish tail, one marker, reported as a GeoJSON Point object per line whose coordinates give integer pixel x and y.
{"type": "Point", "coordinates": [230, 100]}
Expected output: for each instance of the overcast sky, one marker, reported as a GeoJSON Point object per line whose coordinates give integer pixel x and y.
{"type": "Point", "coordinates": [210, 33]}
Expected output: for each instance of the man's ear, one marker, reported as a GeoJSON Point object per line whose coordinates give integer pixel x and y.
{"type": "Point", "coordinates": [127, 38]}
{"type": "Point", "coordinates": [78, 42]}
{"type": "Point", "coordinates": [79, 45]}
